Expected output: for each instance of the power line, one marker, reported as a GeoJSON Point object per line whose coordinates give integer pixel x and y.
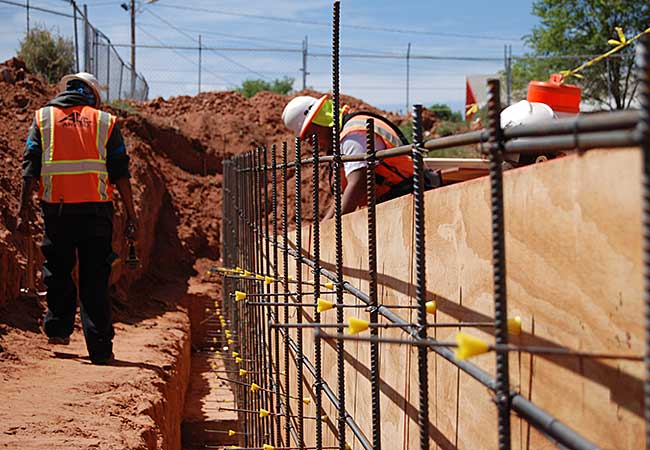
{"type": "Point", "coordinates": [37, 8]}
{"type": "Point", "coordinates": [327, 24]}
{"type": "Point", "coordinates": [186, 58]}
{"type": "Point", "coordinates": [195, 40]}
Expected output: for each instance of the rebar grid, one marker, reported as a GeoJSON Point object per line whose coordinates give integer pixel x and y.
{"type": "Point", "coordinates": [249, 229]}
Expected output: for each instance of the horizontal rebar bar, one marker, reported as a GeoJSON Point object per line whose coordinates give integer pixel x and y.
{"type": "Point", "coordinates": [536, 350]}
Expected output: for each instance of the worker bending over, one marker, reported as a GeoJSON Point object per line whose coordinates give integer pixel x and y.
{"type": "Point", "coordinates": [307, 116]}
{"type": "Point", "coordinates": [77, 153]}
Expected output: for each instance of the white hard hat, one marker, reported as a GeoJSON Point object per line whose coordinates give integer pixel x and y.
{"type": "Point", "coordinates": [87, 78]}
{"type": "Point", "coordinates": [300, 112]}
{"type": "Point", "coordinates": [525, 112]}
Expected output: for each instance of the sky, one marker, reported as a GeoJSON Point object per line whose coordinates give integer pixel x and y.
{"type": "Point", "coordinates": [471, 28]}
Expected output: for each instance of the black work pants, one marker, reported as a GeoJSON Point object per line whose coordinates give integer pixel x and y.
{"type": "Point", "coordinates": [86, 234]}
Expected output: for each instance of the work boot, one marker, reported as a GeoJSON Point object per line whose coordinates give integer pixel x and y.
{"type": "Point", "coordinates": [57, 340]}
{"type": "Point", "coordinates": [103, 361]}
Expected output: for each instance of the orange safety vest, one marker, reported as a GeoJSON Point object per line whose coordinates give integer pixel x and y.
{"type": "Point", "coordinates": [391, 171]}
{"type": "Point", "coordinates": [74, 154]}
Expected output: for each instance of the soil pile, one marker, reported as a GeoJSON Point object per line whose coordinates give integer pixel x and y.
{"type": "Point", "coordinates": [177, 148]}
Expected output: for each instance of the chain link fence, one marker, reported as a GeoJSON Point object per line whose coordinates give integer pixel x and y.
{"type": "Point", "coordinates": [94, 51]}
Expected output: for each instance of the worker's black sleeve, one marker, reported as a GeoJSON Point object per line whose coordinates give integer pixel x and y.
{"type": "Point", "coordinates": [33, 153]}
{"type": "Point", "coordinates": [117, 161]}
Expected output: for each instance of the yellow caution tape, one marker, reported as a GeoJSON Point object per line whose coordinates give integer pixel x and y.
{"type": "Point", "coordinates": [619, 44]}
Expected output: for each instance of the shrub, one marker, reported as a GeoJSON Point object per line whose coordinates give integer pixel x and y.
{"type": "Point", "coordinates": [280, 85]}
{"type": "Point", "coordinates": [46, 54]}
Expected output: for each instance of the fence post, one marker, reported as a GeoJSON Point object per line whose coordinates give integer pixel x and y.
{"type": "Point", "coordinates": [108, 72]}
{"type": "Point", "coordinates": [200, 63]}
{"type": "Point", "coordinates": [408, 77]}
{"type": "Point", "coordinates": [86, 41]}
{"type": "Point", "coordinates": [119, 92]}
{"type": "Point", "coordinates": [76, 35]}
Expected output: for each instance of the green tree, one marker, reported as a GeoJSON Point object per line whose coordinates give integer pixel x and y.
{"type": "Point", "coordinates": [583, 27]}
{"type": "Point", "coordinates": [47, 54]}
{"type": "Point", "coordinates": [282, 86]}
{"type": "Point", "coordinates": [444, 112]}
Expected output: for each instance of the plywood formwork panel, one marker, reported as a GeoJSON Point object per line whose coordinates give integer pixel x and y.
{"type": "Point", "coordinates": [573, 243]}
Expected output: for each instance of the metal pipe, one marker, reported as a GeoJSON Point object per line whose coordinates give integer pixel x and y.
{"type": "Point", "coordinates": [643, 133]}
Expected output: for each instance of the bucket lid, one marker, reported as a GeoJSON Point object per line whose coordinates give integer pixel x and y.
{"type": "Point", "coordinates": [563, 98]}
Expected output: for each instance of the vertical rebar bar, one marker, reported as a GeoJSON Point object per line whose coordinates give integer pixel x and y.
{"type": "Point", "coordinates": [267, 323]}
{"type": "Point", "coordinates": [274, 207]}
{"type": "Point", "coordinates": [502, 395]}
{"type": "Point", "coordinates": [420, 275]}
{"type": "Point", "coordinates": [316, 255]}
{"type": "Point", "coordinates": [643, 130]}
{"type": "Point", "coordinates": [299, 355]}
{"type": "Point", "coordinates": [285, 269]}
{"type": "Point", "coordinates": [336, 167]}
{"type": "Point", "coordinates": [371, 159]}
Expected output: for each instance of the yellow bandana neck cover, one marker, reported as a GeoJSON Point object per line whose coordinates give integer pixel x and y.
{"type": "Point", "coordinates": [325, 115]}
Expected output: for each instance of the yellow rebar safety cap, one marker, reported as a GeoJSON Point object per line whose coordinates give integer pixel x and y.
{"type": "Point", "coordinates": [514, 325]}
{"type": "Point", "coordinates": [469, 346]}
{"type": "Point", "coordinates": [323, 305]}
{"type": "Point", "coordinates": [356, 325]}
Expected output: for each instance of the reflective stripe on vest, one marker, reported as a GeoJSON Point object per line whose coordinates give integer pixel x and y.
{"type": "Point", "coordinates": [385, 133]}
{"type": "Point", "coordinates": [74, 154]}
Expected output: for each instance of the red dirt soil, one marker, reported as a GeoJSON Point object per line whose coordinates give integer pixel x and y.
{"type": "Point", "coordinates": [52, 397]}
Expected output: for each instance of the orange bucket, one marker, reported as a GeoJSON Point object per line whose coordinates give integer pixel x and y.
{"type": "Point", "coordinates": [563, 98]}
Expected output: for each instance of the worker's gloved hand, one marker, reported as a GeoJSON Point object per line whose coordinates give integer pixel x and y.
{"type": "Point", "coordinates": [24, 219]}
{"type": "Point", "coordinates": [131, 229]}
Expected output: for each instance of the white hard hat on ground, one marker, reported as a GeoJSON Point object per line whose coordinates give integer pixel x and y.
{"type": "Point", "coordinates": [87, 78]}
{"type": "Point", "coordinates": [525, 112]}
{"type": "Point", "coordinates": [300, 112]}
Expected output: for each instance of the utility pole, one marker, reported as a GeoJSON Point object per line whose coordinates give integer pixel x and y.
{"type": "Point", "coordinates": [304, 63]}
{"type": "Point", "coordinates": [199, 63]}
{"type": "Point", "coordinates": [408, 76]}
{"type": "Point", "coordinates": [86, 41]}
{"type": "Point", "coordinates": [27, 9]}
{"type": "Point", "coordinates": [132, 48]}
{"type": "Point", "coordinates": [507, 61]}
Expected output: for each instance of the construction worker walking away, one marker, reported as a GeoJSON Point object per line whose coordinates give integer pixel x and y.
{"type": "Point", "coordinates": [76, 153]}
{"type": "Point", "coordinates": [307, 116]}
